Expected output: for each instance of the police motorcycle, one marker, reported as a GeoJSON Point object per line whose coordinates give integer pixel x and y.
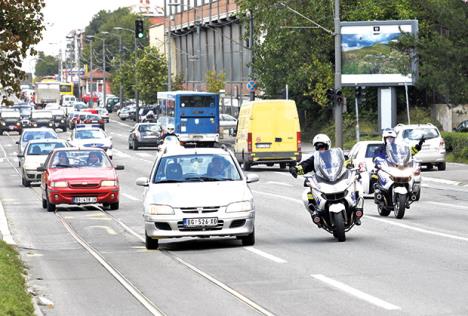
{"type": "Point", "coordinates": [399, 181]}
{"type": "Point", "coordinates": [334, 194]}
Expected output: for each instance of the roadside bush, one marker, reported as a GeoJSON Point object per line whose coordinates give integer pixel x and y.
{"type": "Point", "coordinates": [457, 146]}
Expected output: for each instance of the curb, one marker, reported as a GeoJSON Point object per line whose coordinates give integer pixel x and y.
{"type": "Point", "coordinates": [4, 229]}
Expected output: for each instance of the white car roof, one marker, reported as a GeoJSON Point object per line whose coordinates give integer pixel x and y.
{"type": "Point", "coordinates": [48, 140]}
{"type": "Point", "coordinates": [176, 151]}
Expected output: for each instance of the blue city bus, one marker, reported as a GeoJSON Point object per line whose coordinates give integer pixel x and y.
{"type": "Point", "coordinates": [196, 115]}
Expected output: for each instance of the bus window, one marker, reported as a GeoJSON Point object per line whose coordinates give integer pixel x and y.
{"type": "Point", "coordinates": [197, 101]}
{"type": "Point", "coordinates": [66, 88]}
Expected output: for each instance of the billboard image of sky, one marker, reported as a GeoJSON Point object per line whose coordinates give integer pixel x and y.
{"type": "Point", "coordinates": [369, 55]}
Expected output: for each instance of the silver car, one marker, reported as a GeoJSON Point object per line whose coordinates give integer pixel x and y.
{"type": "Point", "coordinates": [197, 192]}
{"type": "Point", "coordinates": [34, 133]}
{"type": "Point", "coordinates": [34, 155]}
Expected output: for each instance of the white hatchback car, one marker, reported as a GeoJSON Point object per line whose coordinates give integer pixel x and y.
{"type": "Point", "coordinates": [198, 192]}
{"type": "Point", "coordinates": [87, 136]}
{"type": "Point", "coordinates": [432, 151]}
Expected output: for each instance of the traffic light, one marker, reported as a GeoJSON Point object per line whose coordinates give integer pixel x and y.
{"type": "Point", "coordinates": [139, 30]}
{"type": "Point", "coordinates": [335, 96]}
{"type": "Point", "coordinates": [360, 94]}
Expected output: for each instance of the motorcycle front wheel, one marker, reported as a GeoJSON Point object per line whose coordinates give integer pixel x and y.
{"type": "Point", "coordinates": [339, 230]}
{"type": "Point", "coordinates": [400, 205]}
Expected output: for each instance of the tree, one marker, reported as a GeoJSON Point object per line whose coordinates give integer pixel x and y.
{"type": "Point", "coordinates": [151, 74]}
{"type": "Point", "coordinates": [46, 65]}
{"type": "Point", "coordinates": [21, 24]}
{"type": "Point", "coordinates": [214, 81]}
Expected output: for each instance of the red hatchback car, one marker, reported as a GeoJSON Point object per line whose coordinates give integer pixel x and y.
{"type": "Point", "coordinates": [79, 176]}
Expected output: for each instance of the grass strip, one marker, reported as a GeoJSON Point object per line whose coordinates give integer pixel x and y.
{"type": "Point", "coordinates": [14, 297]}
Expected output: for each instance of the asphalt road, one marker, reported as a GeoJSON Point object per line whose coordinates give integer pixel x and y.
{"type": "Point", "coordinates": [90, 262]}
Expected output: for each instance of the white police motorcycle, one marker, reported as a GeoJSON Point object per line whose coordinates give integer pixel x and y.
{"type": "Point", "coordinates": [334, 194]}
{"type": "Point", "coordinates": [399, 181]}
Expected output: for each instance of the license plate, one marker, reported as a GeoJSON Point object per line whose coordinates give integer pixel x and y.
{"type": "Point", "coordinates": [85, 199]}
{"type": "Point", "coordinates": [149, 137]}
{"type": "Point", "coordinates": [200, 222]}
{"type": "Point", "coordinates": [197, 137]}
{"type": "Point", "coordinates": [11, 127]}
{"type": "Point", "coordinates": [263, 145]}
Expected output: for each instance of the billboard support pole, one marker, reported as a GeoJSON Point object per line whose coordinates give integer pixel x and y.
{"type": "Point", "coordinates": [407, 103]}
{"type": "Point", "coordinates": [356, 103]}
{"type": "Point", "coordinates": [338, 107]}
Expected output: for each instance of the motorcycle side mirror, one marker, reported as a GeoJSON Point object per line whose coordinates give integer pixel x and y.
{"type": "Point", "coordinates": [306, 183]}
{"type": "Point", "coordinates": [346, 157]}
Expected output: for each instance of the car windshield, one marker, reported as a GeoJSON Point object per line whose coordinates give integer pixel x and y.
{"type": "Point", "coordinates": [89, 134]}
{"type": "Point", "coordinates": [371, 149]}
{"type": "Point", "coordinates": [43, 148]}
{"type": "Point", "coordinates": [80, 159]}
{"type": "Point", "coordinates": [149, 128]}
{"type": "Point", "coordinates": [420, 132]}
{"type": "Point", "coordinates": [42, 115]}
{"type": "Point", "coordinates": [329, 164]}
{"type": "Point", "coordinates": [27, 136]}
{"type": "Point", "coordinates": [196, 168]}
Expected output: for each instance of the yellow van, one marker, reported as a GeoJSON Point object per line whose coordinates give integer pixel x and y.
{"type": "Point", "coordinates": [268, 132]}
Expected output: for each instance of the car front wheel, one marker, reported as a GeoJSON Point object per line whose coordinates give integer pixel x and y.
{"type": "Point", "coordinates": [248, 240]}
{"type": "Point", "coordinates": [442, 166]}
{"type": "Point", "coordinates": [114, 206]}
{"type": "Point", "coordinates": [151, 243]}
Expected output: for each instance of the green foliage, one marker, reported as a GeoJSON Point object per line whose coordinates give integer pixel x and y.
{"type": "Point", "coordinates": [21, 24]}
{"type": "Point", "coordinates": [178, 83]}
{"type": "Point", "coordinates": [151, 74]}
{"type": "Point", "coordinates": [46, 65]}
{"type": "Point", "coordinates": [14, 298]}
{"type": "Point", "coordinates": [214, 81]}
{"type": "Point", "coordinates": [457, 146]}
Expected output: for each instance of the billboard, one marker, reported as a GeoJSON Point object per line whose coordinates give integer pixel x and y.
{"type": "Point", "coordinates": [369, 56]}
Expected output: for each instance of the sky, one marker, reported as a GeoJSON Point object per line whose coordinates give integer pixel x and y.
{"type": "Point", "coordinates": [63, 16]}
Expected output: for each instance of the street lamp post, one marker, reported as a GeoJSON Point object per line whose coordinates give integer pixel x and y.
{"type": "Point", "coordinates": [119, 28]}
{"type": "Point", "coordinates": [103, 63]}
{"type": "Point", "coordinates": [90, 37]}
{"type": "Point", "coordinates": [120, 66]}
{"type": "Point", "coordinates": [169, 46]}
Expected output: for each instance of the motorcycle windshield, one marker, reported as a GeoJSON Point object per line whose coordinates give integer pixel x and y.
{"type": "Point", "coordinates": [398, 154]}
{"type": "Point", "coordinates": [329, 164]}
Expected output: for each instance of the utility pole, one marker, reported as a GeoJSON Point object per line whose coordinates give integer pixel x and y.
{"type": "Point", "coordinates": [251, 44]}
{"type": "Point", "coordinates": [200, 77]}
{"type": "Point", "coordinates": [91, 72]}
{"type": "Point", "coordinates": [169, 51]}
{"type": "Point", "coordinates": [104, 71]}
{"type": "Point", "coordinates": [120, 68]}
{"type": "Point", "coordinates": [338, 109]}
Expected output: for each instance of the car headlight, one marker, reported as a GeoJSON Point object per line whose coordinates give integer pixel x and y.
{"type": "Point", "coordinates": [156, 209]}
{"type": "Point", "coordinates": [59, 184]}
{"type": "Point", "coordinates": [62, 121]}
{"type": "Point", "coordinates": [244, 206]}
{"type": "Point", "coordinates": [109, 183]}
{"type": "Point", "coordinates": [3, 123]}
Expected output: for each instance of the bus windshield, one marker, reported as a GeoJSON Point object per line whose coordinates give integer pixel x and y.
{"type": "Point", "coordinates": [65, 88]}
{"type": "Point", "coordinates": [197, 101]}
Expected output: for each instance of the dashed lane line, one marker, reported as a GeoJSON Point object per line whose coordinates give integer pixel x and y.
{"type": "Point", "coordinates": [355, 292]}
{"type": "Point", "coordinates": [265, 255]}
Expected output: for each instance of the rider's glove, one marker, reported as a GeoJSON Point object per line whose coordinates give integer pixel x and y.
{"type": "Point", "coordinates": [296, 170]}
{"type": "Point", "coordinates": [419, 145]}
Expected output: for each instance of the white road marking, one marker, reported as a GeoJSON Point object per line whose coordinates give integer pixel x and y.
{"type": "Point", "coordinates": [108, 229]}
{"type": "Point", "coordinates": [356, 293]}
{"type": "Point", "coordinates": [146, 155]}
{"type": "Point", "coordinates": [287, 174]}
{"type": "Point", "coordinates": [443, 188]}
{"type": "Point", "coordinates": [4, 229]}
{"type": "Point", "coordinates": [120, 123]}
{"type": "Point", "coordinates": [117, 134]}
{"type": "Point", "coordinates": [443, 181]}
{"type": "Point", "coordinates": [421, 230]}
{"type": "Point", "coordinates": [280, 183]}
{"type": "Point", "coordinates": [153, 309]}
{"type": "Point", "coordinates": [265, 255]}
{"type": "Point", "coordinates": [121, 153]}
{"type": "Point", "coordinates": [130, 197]}
{"type": "Point", "coordinates": [449, 205]}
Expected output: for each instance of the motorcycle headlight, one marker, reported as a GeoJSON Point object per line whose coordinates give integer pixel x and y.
{"type": "Point", "coordinates": [244, 206]}
{"type": "Point", "coordinates": [62, 121]}
{"type": "Point", "coordinates": [157, 209]}
{"type": "Point", "coordinates": [109, 183]}
{"type": "Point", "coordinates": [59, 184]}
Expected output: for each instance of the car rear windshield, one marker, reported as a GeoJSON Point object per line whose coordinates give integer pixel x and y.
{"type": "Point", "coordinates": [43, 148]}
{"type": "Point", "coordinates": [420, 132]}
{"type": "Point", "coordinates": [371, 149]}
{"type": "Point", "coordinates": [149, 128]}
{"type": "Point", "coordinates": [80, 159]}
{"type": "Point", "coordinates": [89, 134]}
{"type": "Point", "coordinates": [27, 136]}
{"type": "Point", "coordinates": [196, 168]}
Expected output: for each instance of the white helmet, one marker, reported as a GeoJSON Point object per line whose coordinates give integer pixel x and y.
{"type": "Point", "coordinates": [170, 128]}
{"type": "Point", "coordinates": [388, 132]}
{"type": "Point", "coordinates": [321, 138]}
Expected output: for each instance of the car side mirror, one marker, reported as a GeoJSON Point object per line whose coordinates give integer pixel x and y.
{"type": "Point", "coordinates": [119, 167]}
{"type": "Point", "coordinates": [20, 155]}
{"type": "Point", "coordinates": [142, 182]}
{"type": "Point", "coordinates": [41, 169]}
{"type": "Point", "coordinates": [251, 177]}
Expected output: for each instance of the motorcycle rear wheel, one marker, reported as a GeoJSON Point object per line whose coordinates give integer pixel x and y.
{"type": "Point", "coordinates": [400, 205]}
{"type": "Point", "coordinates": [339, 230]}
{"type": "Point", "coordinates": [382, 210]}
